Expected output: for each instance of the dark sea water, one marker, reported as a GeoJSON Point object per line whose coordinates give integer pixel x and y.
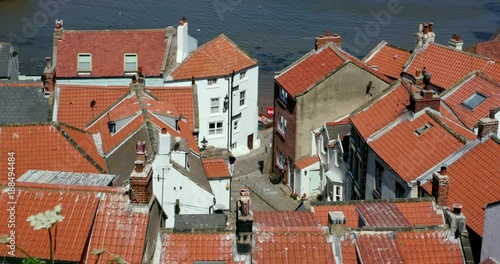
{"type": "Point", "coordinates": [276, 32]}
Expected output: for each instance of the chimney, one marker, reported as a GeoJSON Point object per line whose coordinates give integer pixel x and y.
{"type": "Point", "coordinates": [426, 98]}
{"type": "Point", "coordinates": [164, 142]}
{"type": "Point", "coordinates": [244, 223]}
{"type": "Point", "coordinates": [487, 125]}
{"type": "Point", "coordinates": [336, 223]}
{"type": "Point", "coordinates": [49, 76]}
{"type": "Point", "coordinates": [456, 221]}
{"type": "Point", "coordinates": [440, 184]}
{"type": "Point", "coordinates": [182, 40]}
{"type": "Point", "coordinates": [334, 39]}
{"type": "Point", "coordinates": [455, 42]}
{"type": "Point", "coordinates": [141, 188]}
{"type": "Point", "coordinates": [58, 30]}
{"type": "Point", "coordinates": [425, 34]}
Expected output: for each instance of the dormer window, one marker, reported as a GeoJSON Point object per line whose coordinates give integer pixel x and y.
{"type": "Point", "coordinates": [423, 129]}
{"type": "Point", "coordinates": [243, 75]}
{"type": "Point", "coordinates": [474, 100]}
{"type": "Point", "coordinates": [84, 63]}
{"type": "Point", "coordinates": [130, 62]}
{"type": "Point", "coordinates": [283, 95]}
{"type": "Point", "coordinates": [212, 81]}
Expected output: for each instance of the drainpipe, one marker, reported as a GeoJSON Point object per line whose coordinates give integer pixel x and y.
{"type": "Point", "coordinates": [231, 112]}
{"type": "Point", "coordinates": [210, 208]}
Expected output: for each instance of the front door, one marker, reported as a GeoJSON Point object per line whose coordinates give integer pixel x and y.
{"type": "Point", "coordinates": [250, 141]}
{"type": "Point", "coordinates": [314, 181]}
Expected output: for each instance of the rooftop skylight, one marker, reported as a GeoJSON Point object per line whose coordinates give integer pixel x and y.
{"type": "Point", "coordinates": [474, 100]}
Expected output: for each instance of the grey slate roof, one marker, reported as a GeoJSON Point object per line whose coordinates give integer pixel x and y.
{"type": "Point", "coordinates": [67, 178]}
{"type": "Point", "coordinates": [341, 130]}
{"type": "Point", "coordinates": [23, 105]}
{"type": "Point", "coordinates": [199, 221]}
{"type": "Point", "coordinates": [4, 59]}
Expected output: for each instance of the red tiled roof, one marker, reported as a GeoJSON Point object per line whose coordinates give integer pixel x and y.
{"type": "Point", "coordinates": [312, 68]}
{"type": "Point", "coordinates": [215, 168]}
{"type": "Point", "coordinates": [449, 65]}
{"type": "Point", "coordinates": [365, 66]}
{"type": "Point", "coordinates": [377, 248]}
{"type": "Point", "coordinates": [217, 57]}
{"type": "Point", "coordinates": [188, 135]}
{"type": "Point", "coordinates": [303, 247]}
{"type": "Point", "coordinates": [410, 155]}
{"type": "Point", "coordinates": [414, 212]}
{"type": "Point", "coordinates": [490, 49]}
{"type": "Point", "coordinates": [344, 121]}
{"type": "Point", "coordinates": [181, 97]}
{"type": "Point", "coordinates": [285, 221]}
{"type": "Point", "coordinates": [474, 182]}
{"type": "Point", "coordinates": [189, 247]}
{"type": "Point", "coordinates": [384, 111]}
{"type": "Point", "coordinates": [22, 84]}
{"type": "Point", "coordinates": [478, 83]}
{"type": "Point", "coordinates": [349, 210]}
{"type": "Point", "coordinates": [428, 247]}
{"type": "Point", "coordinates": [421, 213]}
{"type": "Point", "coordinates": [108, 48]}
{"type": "Point", "coordinates": [78, 210]}
{"type": "Point", "coordinates": [45, 147]}
{"type": "Point", "coordinates": [383, 214]}
{"type": "Point", "coordinates": [306, 162]}
{"type": "Point", "coordinates": [74, 102]}
{"type": "Point", "coordinates": [348, 249]}
{"type": "Point", "coordinates": [389, 59]}
{"type": "Point", "coordinates": [118, 230]}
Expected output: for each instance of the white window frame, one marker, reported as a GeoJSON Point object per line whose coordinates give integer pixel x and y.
{"type": "Point", "coordinates": [242, 98]}
{"type": "Point", "coordinates": [215, 105]}
{"type": "Point", "coordinates": [281, 159]}
{"type": "Point", "coordinates": [125, 61]}
{"type": "Point", "coordinates": [212, 81]}
{"type": "Point", "coordinates": [282, 124]}
{"type": "Point", "coordinates": [243, 75]}
{"type": "Point", "coordinates": [217, 129]}
{"type": "Point", "coordinates": [337, 193]}
{"type": "Point", "coordinates": [236, 125]}
{"type": "Point", "coordinates": [89, 55]}
{"type": "Point", "coordinates": [283, 95]}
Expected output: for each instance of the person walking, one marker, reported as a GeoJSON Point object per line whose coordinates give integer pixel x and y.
{"type": "Point", "coordinates": [232, 160]}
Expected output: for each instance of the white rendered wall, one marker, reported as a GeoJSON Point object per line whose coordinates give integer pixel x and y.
{"type": "Point", "coordinates": [222, 195]}
{"type": "Point", "coordinates": [157, 81]}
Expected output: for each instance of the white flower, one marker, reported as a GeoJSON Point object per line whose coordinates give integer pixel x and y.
{"type": "Point", "coordinates": [47, 219]}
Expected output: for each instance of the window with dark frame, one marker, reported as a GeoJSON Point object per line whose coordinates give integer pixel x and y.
{"type": "Point", "coordinates": [400, 190]}
{"type": "Point", "coordinates": [379, 171]}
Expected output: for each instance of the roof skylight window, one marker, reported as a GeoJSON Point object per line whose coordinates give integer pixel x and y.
{"type": "Point", "coordinates": [474, 100]}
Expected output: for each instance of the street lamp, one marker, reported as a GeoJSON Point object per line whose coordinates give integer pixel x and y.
{"type": "Point", "coordinates": [204, 143]}
{"type": "Point", "coordinates": [226, 103]}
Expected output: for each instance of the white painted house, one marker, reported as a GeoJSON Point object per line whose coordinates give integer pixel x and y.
{"type": "Point", "coordinates": [179, 181]}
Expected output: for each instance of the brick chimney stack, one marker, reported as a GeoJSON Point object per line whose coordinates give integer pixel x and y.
{"type": "Point", "coordinates": [49, 76]}
{"type": "Point", "coordinates": [141, 188]}
{"type": "Point", "coordinates": [425, 34]}
{"type": "Point", "coordinates": [456, 42]}
{"type": "Point", "coordinates": [440, 184]}
{"type": "Point", "coordinates": [321, 40]}
{"type": "Point", "coordinates": [488, 125]}
{"type": "Point", "coordinates": [336, 223]}
{"type": "Point", "coordinates": [58, 30]}
{"type": "Point", "coordinates": [426, 97]}
{"type": "Point", "coordinates": [244, 223]}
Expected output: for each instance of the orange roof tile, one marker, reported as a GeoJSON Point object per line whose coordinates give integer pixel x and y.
{"type": "Point", "coordinates": [303, 247]}
{"type": "Point", "coordinates": [382, 112]}
{"type": "Point", "coordinates": [217, 57]}
{"type": "Point", "coordinates": [74, 102]}
{"type": "Point", "coordinates": [428, 247]}
{"type": "Point", "coordinates": [181, 97]}
{"type": "Point", "coordinates": [348, 249]}
{"type": "Point", "coordinates": [215, 168]}
{"type": "Point", "coordinates": [365, 66]}
{"type": "Point", "coordinates": [312, 68]}
{"type": "Point", "coordinates": [306, 162]}
{"type": "Point", "coordinates": [188, 135]}
{"type": "Point", "coordinates": [381, 214]}
{"type": "Point", "coordinates": [410, 155]}
{"type": "Point", "coordinates": [189, 247]}
{"type": "Point", "coordinates": [78, 210]}
{"type": "Point", "coordinates": [49, 147]}
{"type": "Point", "coordinates": [421, 213]}
{"type": "Point", "coordinates": [377, 248]}
{"type": "Point", "coordinates": [37, 84]}
{"type": "Point", "coordinates": [490, 49]}
{"type": "Point", "coordinates": [449, 65]}
{"type": "Point", "coordinates": [287, 221]}
{"type": "Point", "coordinates": [108, 48]}
{"type": "Point", "coordinates": [349, 210]}
{"type": "Point", "coordinates": [388, 59]}
{"type": "Point", "coordinates": [475, 181]}
{"type": "Point", "coordinates": [477, 83]}
{"type": "Point", "coordinates": [119, 230]}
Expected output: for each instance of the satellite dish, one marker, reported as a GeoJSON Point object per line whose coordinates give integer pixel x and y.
{"type": "Point", "coordinates": [92, 104]}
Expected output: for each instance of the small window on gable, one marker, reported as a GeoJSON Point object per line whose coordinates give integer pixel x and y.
{"type": "Point", "coordinates": [130, 64]}
{"type": "Point", "coordinates": [423, 129]}
{"type": "Point", "coordinates": [283, 95]}
{"type": "Point", "coordinates": [84, 63]}
{"type": "Point", "coordinates": [243, 75]}
{"type": "Point", "coordinates": [212, 81]}
{"type": "Point", "coordinates": [474, 100]}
